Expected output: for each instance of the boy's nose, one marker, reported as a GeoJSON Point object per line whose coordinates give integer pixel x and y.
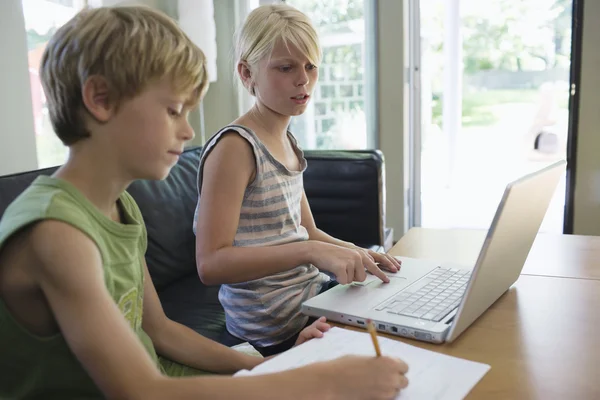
{"type": "Point", "coordinates": [187, 132]}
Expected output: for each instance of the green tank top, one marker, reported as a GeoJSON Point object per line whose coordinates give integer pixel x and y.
{"type": "Point", "coordinates": [44, 367]}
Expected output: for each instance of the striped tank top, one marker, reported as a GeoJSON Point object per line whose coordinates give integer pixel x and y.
{"type": "Point", "coordinates": [266, 311]}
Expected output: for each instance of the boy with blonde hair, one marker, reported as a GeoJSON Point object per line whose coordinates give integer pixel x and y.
{"type": "Point", "coordinates": [79, 316]}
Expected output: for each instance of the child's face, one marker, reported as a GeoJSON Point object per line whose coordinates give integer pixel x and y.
{"type": "Point", "coordinates": [150, 131]}
{"type": "Point", "coordinates": [285, 80]}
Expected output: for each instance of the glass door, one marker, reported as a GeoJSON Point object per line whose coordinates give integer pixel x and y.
{"type": "Point", "coordinates": [489, 103]}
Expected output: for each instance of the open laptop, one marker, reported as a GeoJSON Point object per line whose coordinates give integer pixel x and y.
{"type": "Point", "coordinates": [436, 302]}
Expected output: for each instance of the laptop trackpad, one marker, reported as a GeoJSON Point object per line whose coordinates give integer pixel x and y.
{"type": "Point", "coordinates": [394, 280]}
{"type": "Point", "coordinates": [397, 279]}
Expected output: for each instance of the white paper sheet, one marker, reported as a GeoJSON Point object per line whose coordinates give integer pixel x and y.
{"type": "Point", "coordinates": [431, 375]}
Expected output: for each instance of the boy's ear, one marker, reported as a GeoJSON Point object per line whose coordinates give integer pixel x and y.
{"type": "Point", "coordinates": [245, 74]}
{"type": "Point", "coordinates": [96, 98]}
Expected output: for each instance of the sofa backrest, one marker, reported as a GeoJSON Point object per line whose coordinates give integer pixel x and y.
{"type": "Point", "coordinates": [12, 185]}
{"type": "Point", "coordinates": [167, 207]}
{"type": "Point", "coordinates": [345, 190]}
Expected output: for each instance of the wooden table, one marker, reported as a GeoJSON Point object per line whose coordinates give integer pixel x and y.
{"type": "Point", "coordinates": [541, 337]}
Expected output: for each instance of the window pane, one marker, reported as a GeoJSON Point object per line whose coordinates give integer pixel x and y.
{"type": "Point", "coordinates": [335, 118]}
{"type": "Point", "coordinates": [42, 18]}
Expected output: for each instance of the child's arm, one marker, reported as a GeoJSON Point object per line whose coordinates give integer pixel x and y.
{"type": "Point", "coordinates": [228, 170]}
{"type": "Point", "coordinates": [369, 257]}
{"type": "Point", "coordinates": [181, 344]}
{"type": "Point", "coordinates": [68, 269]}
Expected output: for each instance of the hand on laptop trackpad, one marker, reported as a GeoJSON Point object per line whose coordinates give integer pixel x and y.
{"type": "Point", "coordinates": [372, 278]}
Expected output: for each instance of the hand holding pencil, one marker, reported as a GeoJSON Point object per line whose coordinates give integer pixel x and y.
{"type": "Point", "coordinates": [367, 377]}
{"type": "Point", "coordinates": [373, 332]}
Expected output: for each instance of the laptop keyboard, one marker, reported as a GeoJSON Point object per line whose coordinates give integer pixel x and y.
{"type": "Point", "coordinates": [433, 297]}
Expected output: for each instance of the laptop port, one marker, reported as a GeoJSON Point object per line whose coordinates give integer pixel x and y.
{"type": "Point", "coordinates": [381, 327]}
{"type": "Point", "coordinates": [394, 329]}
{"type": "Point", "coordinates": [360, 322]}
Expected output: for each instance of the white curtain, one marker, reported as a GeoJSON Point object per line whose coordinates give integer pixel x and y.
{"type": "Point", "coordinates": [196, 18]}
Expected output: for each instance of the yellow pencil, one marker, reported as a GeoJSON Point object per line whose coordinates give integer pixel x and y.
{"type": "Point", "coordinates": [373, 332]}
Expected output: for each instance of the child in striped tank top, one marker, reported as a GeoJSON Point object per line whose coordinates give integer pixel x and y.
{"type": "Point", "coordinates": [255, 232]}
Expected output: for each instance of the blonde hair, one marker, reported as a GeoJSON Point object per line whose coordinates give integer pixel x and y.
{"type": "Point", "coordinates": [267, 24]}
{"type": "Point", "coordinates": [130, 47]}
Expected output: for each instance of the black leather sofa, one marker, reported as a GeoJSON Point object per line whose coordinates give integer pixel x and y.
{"type": "Point", "coordinates": [345, 190]}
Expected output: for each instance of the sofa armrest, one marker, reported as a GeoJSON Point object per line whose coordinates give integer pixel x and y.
{"type": "Point", "coordinates": [346, 192]}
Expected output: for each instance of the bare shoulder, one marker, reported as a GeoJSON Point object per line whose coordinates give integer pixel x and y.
{"type": "Point", "coordinates": [232, 146]}
{"type": "Point", "coordinates": [231, 160]}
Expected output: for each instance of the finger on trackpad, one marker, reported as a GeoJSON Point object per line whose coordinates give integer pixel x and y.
{"type": "Point", "coordinates": [370, 278]}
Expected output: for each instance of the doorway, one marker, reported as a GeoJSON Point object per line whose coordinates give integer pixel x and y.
{"type": "Point", "coordinates": [490, 89]}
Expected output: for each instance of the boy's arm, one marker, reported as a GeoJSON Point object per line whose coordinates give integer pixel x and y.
{"type": "Point", "coordinates": [68, 268]}
{"type": "Point", "coordinates": [227, 171]}
{"type": "Point", "coordinates": [69, 272]}
{"type": "Point", "coordinates": [181, 344]}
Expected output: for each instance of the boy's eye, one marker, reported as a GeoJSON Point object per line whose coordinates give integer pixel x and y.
{"type": "Point", "coordinates": [285, 68]}
{"type": "Point", "coordinates": [173, 113]}
{"type": "Point", "coordinates": [311, 66]}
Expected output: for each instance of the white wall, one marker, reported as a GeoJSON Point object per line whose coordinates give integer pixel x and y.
{"type": "Point", "coordinates": [587, 181]}
{"type": "Point", "coordinates": [17, 140]}
{"type": "Point", "coordinates": [393, 103]}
